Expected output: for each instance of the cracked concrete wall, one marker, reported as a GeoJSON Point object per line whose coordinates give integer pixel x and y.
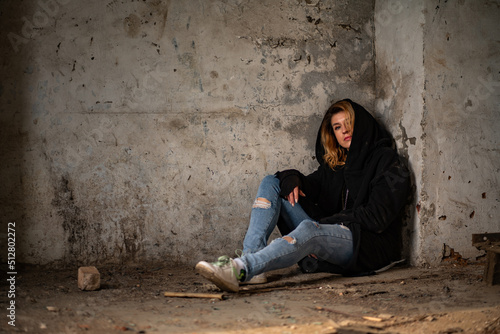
{"type": "Point", "coordinates": [438, 86]}
{"type": "Point", "coordinates": [461, 119]}
{"type": "Point", "coordinates": [139, 130]}
{"type": "Point", "coordinates": [399, 88]}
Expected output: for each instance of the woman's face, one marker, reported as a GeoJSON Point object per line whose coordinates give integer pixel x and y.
{"type": "Point", "coordinates": [340, 129]}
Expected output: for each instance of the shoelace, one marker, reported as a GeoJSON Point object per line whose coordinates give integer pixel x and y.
{"type": "Point", "coordinates": [239, 253]}
{"type": "Point", "coordinates": [222, 261]}
{"type": "Point", "coordinates": [225, 260]}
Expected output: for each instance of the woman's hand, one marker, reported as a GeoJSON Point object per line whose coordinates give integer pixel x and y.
{"type": "Point", "coordinates": [293, 197]}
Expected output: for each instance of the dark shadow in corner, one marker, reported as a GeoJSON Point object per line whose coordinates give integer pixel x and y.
{"type": "Point", "coordinates": [14, 113]}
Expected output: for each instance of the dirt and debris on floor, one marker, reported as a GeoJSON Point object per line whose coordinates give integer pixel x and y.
{"type": "Point", "coordinates": [449, 299]}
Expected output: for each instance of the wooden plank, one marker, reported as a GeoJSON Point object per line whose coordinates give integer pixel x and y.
{"type": "Point", "coordinates": [489, 242]}
{"type": "Point", "coordinates": [492, 270]}
{"type": "Point", "coordinates": [481, 238]}
{"type": "Point", "coordinates": [194, 295]}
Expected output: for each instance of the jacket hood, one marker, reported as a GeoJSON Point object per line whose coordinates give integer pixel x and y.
{"type": "Point", "coordinates": [367, 135]}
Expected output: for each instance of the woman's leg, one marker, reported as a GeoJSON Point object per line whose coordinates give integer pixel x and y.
{"type": "Point", "coordinates": [292, 215]}
{"type": "Point", "coordinates": [266, 209]}
{"type": "Point", "coordinates": [264, 215]}
{"type": "Point", "coordinates": [331, 243]}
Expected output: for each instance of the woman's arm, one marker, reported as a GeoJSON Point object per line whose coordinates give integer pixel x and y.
{"type": "Point", "coordinates": [387, 195]}
{"type": "Point", "coordinates": [294, 184]}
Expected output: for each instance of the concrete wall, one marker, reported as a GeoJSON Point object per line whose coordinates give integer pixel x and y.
{"type": "Point", "coordinates": [139, 130]}
{"type": "Point", "coordinates": [461, 120]}
{"type": "Point", "coordinates": [400, 79]}
{"type": "Point", "coordinates": [438, 87]}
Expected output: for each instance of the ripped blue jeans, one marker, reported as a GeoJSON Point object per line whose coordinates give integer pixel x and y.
{"type": "Point", "coordinates": [330, 243]}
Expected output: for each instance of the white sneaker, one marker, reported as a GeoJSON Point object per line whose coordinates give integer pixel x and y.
{"type": "Point", "coordinates": [222, 273]}
{"type": "Point", "coordinates": [257, 279]}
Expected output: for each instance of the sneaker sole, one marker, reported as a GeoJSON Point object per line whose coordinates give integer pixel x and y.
{"type": "Point", "coordinates": [255, 280]}
{"type": "Point", "coordinates": [205, 271]}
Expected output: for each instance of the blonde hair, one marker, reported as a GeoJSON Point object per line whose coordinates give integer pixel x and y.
{"type": "Point", "coordinates": [335, 155]}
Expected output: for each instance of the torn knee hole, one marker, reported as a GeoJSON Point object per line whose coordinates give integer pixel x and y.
{"type": "Point", "coordinates": [261, 203]}
{"type": "Point", "coordinates": [289, 239]}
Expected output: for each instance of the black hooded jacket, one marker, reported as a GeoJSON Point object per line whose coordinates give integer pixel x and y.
{"type": "Point", "coordinates": [377, 184]}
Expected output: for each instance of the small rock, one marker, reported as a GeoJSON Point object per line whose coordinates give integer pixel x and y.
{"type": "Point", "coordinates": [52, 309]}
{"type": "Point", "coordinates": [89, 278]}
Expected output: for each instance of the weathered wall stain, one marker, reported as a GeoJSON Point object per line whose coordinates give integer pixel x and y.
{"type": "Point", "coordinates": [132, 25]}
{"type": "Point", "coordinates": [162, 7]}
{"type": "Point", "coordinates": [139, 130]}
{"type": "Point", "coordinates": [441, 73]}
{"type": "Point", "coordinates": [81, 235]}
{"type": "Point", "coordinates": [162, 117]}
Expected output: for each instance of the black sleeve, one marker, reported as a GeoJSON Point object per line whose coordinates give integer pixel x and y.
{"type": "Point", "coordinates": [289, 179]}
{"type": "Point", "coordinates": [310, 184]}
{"type": "Point", "coordinates": [313, 184]}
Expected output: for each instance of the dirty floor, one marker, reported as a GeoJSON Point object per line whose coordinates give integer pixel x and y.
{"type": "Point", "coordinates": [449, 299]}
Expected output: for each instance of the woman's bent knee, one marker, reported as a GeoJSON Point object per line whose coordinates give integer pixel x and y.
{"type": "Point", "coordinates": [269, 183]}
{"type": "Point", "coordinates": [309, 225]}
{"type": "Point", "coordinates": [270, 179]}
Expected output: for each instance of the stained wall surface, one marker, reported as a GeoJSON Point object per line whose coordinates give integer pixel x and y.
{"type": "Point", "coordinates": [139, 130]}
{"type": "Point", "coordinates": [399, 100]}
{"type": "Point", "coordinates": [438, 82]}
{"type": "Point", "coordinates": [461, 120]}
